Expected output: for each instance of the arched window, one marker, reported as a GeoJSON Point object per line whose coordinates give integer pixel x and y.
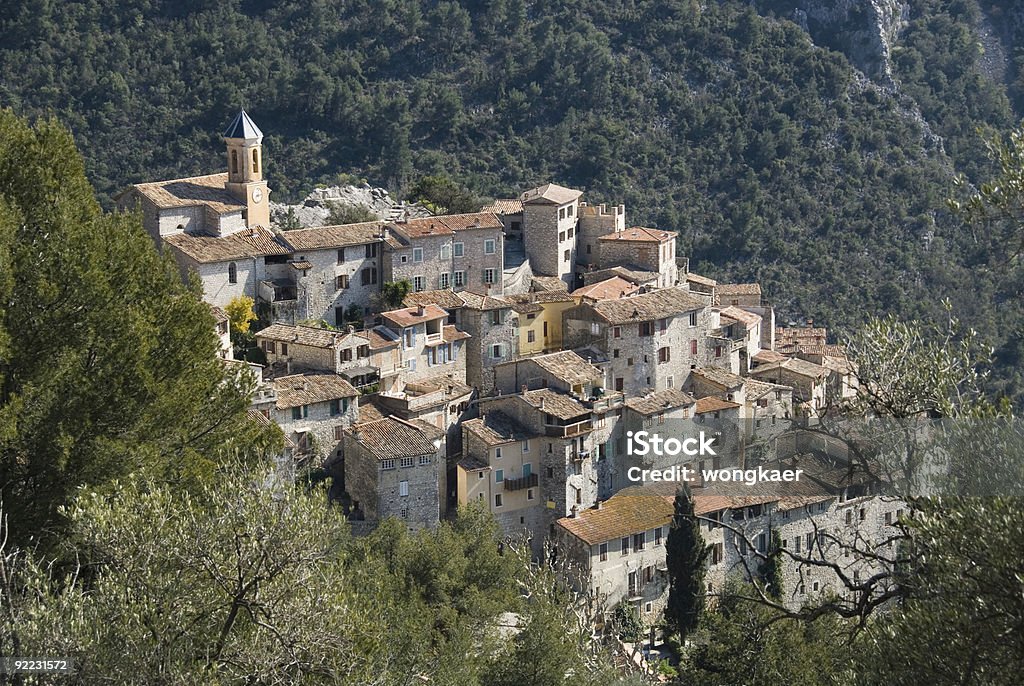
{"type": "Point", "coordinates": [232, 273]}
{"type": "Point", "coordinates": [255, 162]}
{"type": "Point", "coordinates": [234, 161]}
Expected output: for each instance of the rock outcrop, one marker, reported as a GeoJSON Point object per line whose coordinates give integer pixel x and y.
{"type": "Point", "coordinates": [315, 209]}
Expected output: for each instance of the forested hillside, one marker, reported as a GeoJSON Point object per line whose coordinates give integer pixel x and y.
{"type": "Point", "coordinates": [774, 157]}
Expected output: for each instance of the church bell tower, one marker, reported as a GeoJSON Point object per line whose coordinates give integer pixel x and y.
{"type": "Point", "coordinates": [245, 169]}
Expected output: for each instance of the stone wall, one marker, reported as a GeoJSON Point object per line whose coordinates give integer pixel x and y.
{"type": "Point", "coordinates": [597, 221]}
{"type": "Point", "coordinates": [323, 298]}
{"type": "Point", "coordinates": [377, 489]}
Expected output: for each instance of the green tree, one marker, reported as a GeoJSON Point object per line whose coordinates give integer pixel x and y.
{"type": "Point", "coordinates": [346, 213]}
{"type": "Point", "coordinates": [771, 567]}
{"type": "Point", "coordinates": [241, 314]}
{"type": "Point", "coordinates": [444, 196]}
{"type": "Point", "coordinates": [392, 293]}
{"type": "Point", "coordinates": [109, 362]}
{"type": "Point", "coordinates": [686, 556]}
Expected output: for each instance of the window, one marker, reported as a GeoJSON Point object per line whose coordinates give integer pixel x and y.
{"type": "Point", "coordinates": [569, 210]}
{"type": "Point", "coordinates": [571, 233]}
{"type": "Point", "coordinates": [646, 328]}
{"type": "Point", "coordinates": [489, 276]}
{"type": "Point", "coordinates": [561, 213]}
{"type": "Point", "coordinates": [615, 353]}
{"type": "Point", "coordinates": [424, 460]}
{"type": "Point", "coordinates": [497, 500]}
{"type": "Point", "coordinates": [662, 325]}
{"type": "Point", "coordinates": [617, 332]}
{"type": "Point", "coordinates": [717, 552]}
{"type": "Point", "coordinates": [526, 449]}
{"type": "Point", "coordinates": [595, 329]}
{"type": "Point", "coordinates": [496, 351]}
{"type": "Point", "coordinates": [743, 545]}
{"type": "Point", "coordinates": [335, 407]}
{"type": "Point", "coordinates": [761, 542]}
{"type": "Point", "coordinates": [284, 348]}
{"type": "Point", "coordinates": [443, 280]}
{"type": "Point", "coordinates": [232, 273]}
{"type": "Point", "coordinates": [234, 161]}
{"type": "Point", "coordinates": [888, 518]}
{"type": "Point", "coordinates": [497, 453]}
{"type": "Point", "coordinates": [561, 236]}
{"type": "Point", "coordinates": [417, 283]}
{"type": "Point", "coordinates": [629, 361]}
{"type": "Point", "coordinates": [341, 282]}
{"type": "Point", "coordinates": [363, 351]}
{"type": "Point", "coordinates": [657, 536]}
{"type": "Point", "coordinates": [417, 254]}
{"type": "Point", "coordinates": [639, 540]}
{"type": "Point", "coordinates": [458, 249]}
{"type": "Point", "coordinates": [670, 382]}
{"type": "Point", "coordinates": [403, 259]}
{"type": "Point", "coordinates": [301, 412]}
{"type": "Point", "coordinates": [255, 162]}
{"type": "Point", "coordinates": [531, 336]}
{"type": "Point", "coordinates": [387, 464]}
{"type": "Point", "coordinates": [529, 494]}
{"type": "Point", "coordinates": [796, 544]}
{"type": "Point", "coordinates": [403, 488]}
{"type": "Point", "coordinates": [371, 250]}
{"type": "Point", "coordinates": [565, 255]}
{"type": "Point", "coordinates": [499, 475]}
{"type": "Point", "coordinates": [863, 514]}
{"type": "Point", "coordinates": [406, 462]}
{"type": "Point", "coordinates": [718, 351]}
{"type": "Point", "coordinates": [849, 516]}
{"type": "Point", "coordinates": [446, 252]}
{"type": "Point", "coordinates": [604, 552]}
{"type": "Point", "coordinates": [495, 317]}
{"type": "Point", "coordinates": [693, 347]}
{"type": "Point", "coordinates": [269, 346]}
{"type": "Point", "coordinates": [664, 355]}
{"type": "Point", "coordinates": [489, 246]}
{"type": "Point", "coordinates": [459, 279]}
{"type": "Point", "coordinates": [810, 541]}
{"type": "Point", "coordinates": [624, 544]}
{"type": "Point", "coordinates": [693, 319]}
{"type": "Point", "coordinates": [545, 329]}
{"type": "Point", "coordinates": [346, 355]}
{"type": "Point", "coordinates": [369, 276]}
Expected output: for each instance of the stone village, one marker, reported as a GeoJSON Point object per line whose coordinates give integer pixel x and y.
{"type": "Point", "coordinates": [538, 333]}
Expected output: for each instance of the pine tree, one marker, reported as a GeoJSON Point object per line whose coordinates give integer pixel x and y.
{"type": "Point", "coordinates": [686, 557]}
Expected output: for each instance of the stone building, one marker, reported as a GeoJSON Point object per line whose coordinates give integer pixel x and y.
{"type": "Point", "coordinates": [564, 371]}
{"type": "Point", "coordinates": [395, 468]}
{"type": "Point", "coordinates": [312, 411]}
{"type": "Point", "coordinates": [213, 204]}
{"type": "Point", "coordinates": [502, 469]}
{"type": "Point", "coordinates": [550, 219]}
{"type": "Point", "coordinates": [461, 252]}
{"type": "Point", "coordinates": [222, 325]}
{"type": "Point", "coordinates": [809, 382]}
{"type": "Point", "coordinates": [738, 294]}
{"type": "Point", "coordinates": [510, 212]}
{"type": "Point", "coordinates": [429, 346]}
{"type": "Point", "coordinates": [652, 340]}
{"type": "Point", "coordinates": [597, 221]}
{"type": "Point", "coordinates": [651, 250]}
{"type": "Point", "coordinates": [745, 328]}
{"type": "Point", "coordinates": [540, 319]}
{"type": "Point", "coordinates": [440, 401]}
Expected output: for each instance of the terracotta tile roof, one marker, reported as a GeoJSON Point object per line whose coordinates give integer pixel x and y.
{"type": "Point", "coordinates": [208, 191]}
{"type": "Point", "coordinates": [475, 220]}
{"type": "Point", "coordinates": [702, 280]}
{"type": "Point", "coordinates": [245, 243]}
{"type": "Point", "coordinates": [475, 301]}
{"type": "Point", "coordinates": [653, 403]}
{"type": "Point", "coordinates": [450, 334]}
{"type": "Point", "coordinates": [505, 206]}
{"type": "Point", "coordinates": [720, 377]}
{"type": "Point", "coordinates": [724, 289]}
{"type": "Point", "coordinates": [619, 516]}
{"type": "Point", "coordinates": [665, 302]}
{"type": "Point", "coordinates": [793, 365]}
{"type": "Point", "coordinates": [412, 315]}
{"type": "Point", "coordinates": [631, 273]}
{"type": "Point", "coordinates": [306, 389]}
{"type": "Point", "coordinates": [497, 428]}
{"type": "Point", "coordinates": [713, 404]}
{"type": "Point", "coordinates": [420, 228]}
{"type": "Point", "coordinates": [557, 404]}
{"type": "Point", "coordinates": [336, 236]}
{"type": "Point", "coordinates": [446, 298]}
{"type": "Point", "coordinates": [299, 335]}
{"type": "Point", "coordinates": [805, 334]}
{"type": "Point", "coordinates": [567, 366]}
{"type": "Point", "coordinates": [768, 357]}
{"type": "Point", "coordinates": [472, 464]}
{"type": "Point", "coordinates": [756, 388]}
{"type": "Point", "coordinates": [300, 265]}
{"type": "Point", "coordinates": [640, 234]}
{"type": "Point", "coordinates": [527, 307]}
{"type": "Point", "coordinates": [749, 319]}
{"type": "Point", "coordinates": [550, 194]}
{"type": "Point", "coordinates": [548, 283]}
{"type": "Point", "coordinates": [380, 338]}
{"type": "Point", "coordinates": [452, 387]}
{"type": "Point", "coordinates": [609, 289]}
{"type": "Point", "coordinates": [370, 411]}
{"type": "Point", "coordinates": [391, 437]}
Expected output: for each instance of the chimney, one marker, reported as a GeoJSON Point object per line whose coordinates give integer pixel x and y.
{"type": "Point", "coordinates": [597, 505]}
{"type": "Point", "coordinates": [574, 512]}
{"type": "Point", "coordinates": [420, 310]}
{"type": "Point", "coordinates": [541, 403]}
{"type": "Point", "coordinates": [523, 389]}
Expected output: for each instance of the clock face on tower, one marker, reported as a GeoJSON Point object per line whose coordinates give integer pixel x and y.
{"type": "Point", "coordinates": [257, 194]}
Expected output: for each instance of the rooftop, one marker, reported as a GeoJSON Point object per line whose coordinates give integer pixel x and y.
{"type": "Point", "coordinates": [720, 377]}
{"type": "Point", "coordinates": [619, 516]}
{"type": "Point", "coordinates": [391, 437]}
{"type": "Point", "coordinates": [713, 404]}
{"type": "Point", "coordinates": [548, 283]}
{"type": "Point", "coordinates": [648, 306]}
{"type": "Point", "coordinates": [505, 206]}
{"type": "Point", "coordinates": [653, 403]}
{"type": "Point", "coordinates": [496, 428]}
{"type": "Point", "coordinates": [566, 366]}
{"type": "Point", "coordinates": [335, 236]}
{"type": "Point", "coordinates": [609, 289]}
{"type": "Point", "coordinates": [748, 319]}
{"type": "Point", "coordinates": [300, 335]}
{"type": "Point", "coordinates": [556, 404]}
{"type": "Point", "coordinates": [702, 280]}
{"type": "Point", "coordinates": [446, 224]}
{"type": "Point", "coordinates": [245, 243]}
{"type": "Point", "coordinates": [725, 289]}
{"type": "Point", "coordinates": [793, 365]}
{"type": "Point", "coordinates": [243, 127]}
{"type": "Point", "coordinates": [640, 234]}
{"type": "Point", "coordinates": [207, 190]}
{"type": "Point", "coordinates": [767, 357]}
{"type": "Point", "coordinates": [305, 389]}
{"type": "Point", "coordinates": [549, 194]}
{"type": "Point", "coordinates": [410, 316]}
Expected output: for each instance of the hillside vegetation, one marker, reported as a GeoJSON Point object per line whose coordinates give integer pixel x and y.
{"type": "Point", "coordinates": [773, 157]}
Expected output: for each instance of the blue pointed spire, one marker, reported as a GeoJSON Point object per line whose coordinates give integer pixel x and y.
{"type": "Point", "coordinates": [243, 127]}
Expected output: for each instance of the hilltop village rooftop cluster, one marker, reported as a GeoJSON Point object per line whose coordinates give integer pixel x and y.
{"type": "Point", "coordinates": [538, 332]}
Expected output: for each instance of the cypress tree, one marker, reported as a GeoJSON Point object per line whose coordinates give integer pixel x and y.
{"type": "Point", "coordinates": [686, 557]}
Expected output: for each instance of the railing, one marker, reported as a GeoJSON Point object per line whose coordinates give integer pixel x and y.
{"type": "Point", "coordinates": [433, 338]}
{"type": "Point", "coordinates": [568, 429]}
{"type": "Point", "coordinates": [529, 481]}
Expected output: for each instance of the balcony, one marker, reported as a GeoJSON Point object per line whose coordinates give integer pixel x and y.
{"type": "Point", "coordinates": [529, 481]}
{"type": "Point", "coordinates": [278, 290]}
{"type": "Point", "coordinates": [566, 430]}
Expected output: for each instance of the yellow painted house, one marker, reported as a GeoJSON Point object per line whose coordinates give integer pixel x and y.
{"type": "Point", "coordinates": [540, 320]}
